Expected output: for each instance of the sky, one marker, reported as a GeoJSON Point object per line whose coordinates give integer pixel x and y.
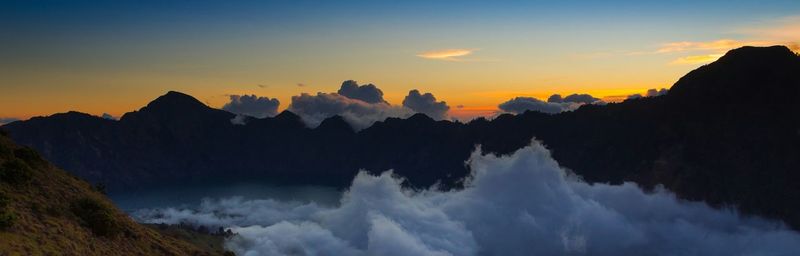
{"type": "Point", "coordinates": [116, 56]}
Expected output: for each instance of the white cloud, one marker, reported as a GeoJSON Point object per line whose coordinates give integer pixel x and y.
{"type": "Point", "coordinates": [426, 104]}
{"type": "Point", "coordinates": [446, 54]}
{"type": "Point", "coordinates": [313, 109]}
{"type": "Point", "coordinates": [252, 105]}
{"type": "Point", "coordinates": [521, 204]}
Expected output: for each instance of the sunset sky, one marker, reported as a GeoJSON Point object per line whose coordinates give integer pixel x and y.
{"type": "Point", "coordinates": [115, 56]}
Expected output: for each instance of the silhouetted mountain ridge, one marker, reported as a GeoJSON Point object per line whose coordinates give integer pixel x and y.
{"type": "Point", "coordinates": [727, 133]}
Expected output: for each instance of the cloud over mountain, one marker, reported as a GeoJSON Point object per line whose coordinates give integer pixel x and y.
{"type": "Point", "coordinates": [520, 204]}
{"type": "Point", "coordinates": [252, 105]}
{"type": "Point", "coordinates": [575, 98]}
{"type": "Point", "coordinates": [521, 104]}
{"type": "Point", "coordinates": [368, 93]}
{"type": "Point", "coordinates": [360, 114]}
{"type": "Point", "coordinates": [426, 104]}
{"type": "Point", "coordinates": [650, 93]}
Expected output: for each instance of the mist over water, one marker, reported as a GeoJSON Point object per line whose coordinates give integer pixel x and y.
{"type": "Point", "coordinates": [189, 196]}
{"type": "Point", "coordinates": [521, 204]}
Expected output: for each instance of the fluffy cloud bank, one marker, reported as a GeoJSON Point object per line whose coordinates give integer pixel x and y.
{"type": "Point", "coordinates": [360, 114]}
{"type": "Point", "coordinates": [521, 104]}
{"type": "Point", "coordinates": [521, 204]}
{"type": "Point", "coordinates": [426, 104]}
{"type": "Point", "coordinates": [555, 103]}
{"type": "Point", "coordinates": [650, 93]}
{"type": "Point", "coordinates": [368, 93]}
{"type": "Point", "coordinates": [574, 98]}
{"type": "Point", "coordinates": [252, 105]}
{"type": "Point", "coordinates": [363, 105]}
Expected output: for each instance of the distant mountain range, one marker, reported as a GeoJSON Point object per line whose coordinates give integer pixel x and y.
{"type": "Point", "coordinates": [727, 133]}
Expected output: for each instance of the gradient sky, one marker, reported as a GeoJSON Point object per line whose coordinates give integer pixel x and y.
{"type": "Point", "coordinates": [115, 56]}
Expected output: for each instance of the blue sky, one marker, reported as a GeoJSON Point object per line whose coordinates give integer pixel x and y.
{"type": "Point", "coordinates": [114, 56]}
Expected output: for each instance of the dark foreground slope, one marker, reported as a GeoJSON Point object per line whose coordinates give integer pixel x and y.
{"type": "Point", "coordinates": [45, 211]}
{"type": "Point", "coordinates": [727, 133]}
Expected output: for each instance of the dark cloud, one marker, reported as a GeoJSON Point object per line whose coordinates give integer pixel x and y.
{"type": "Point", "coordinates": [368, 93]}
{"type": "Point", "coordinates": [521, 104]}
{"type": "Point", "coordinates": [360, 114]}
{"type": "Point", "coordinates": [575, 98]}
{"type": "Point", "coordinates": [426, 104]}
{"type": "Point", "coordinates": [518, 204]}
{"type": "Point", "coordinates": [108, 116]}
{"type": "Point", "coordinates": [252, 105]}
{"type": "Point", "coordinates": [5, 120]}
{"type": "Point", "coordinates": [460, 106]}
{"type": "Point", "coordinates": [262, 86]}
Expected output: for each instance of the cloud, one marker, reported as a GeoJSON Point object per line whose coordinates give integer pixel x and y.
{"type": "Point", "coordinates": [519, 204]}
{"type": "Point", "coordinates": [653, 92]}
{"type": "Point", "coordinates": [574, 98]}
{"type": "Point", "coordinates": [722, 45]}
{"type": "Point", "coordinates": [108, 116]}
{"type": "Point", "coordinates": [239, 120]}
{"type": "Point", "coordinates": [5, 120]}
{"type": "Point", "coordinates": [521, 104]}
{"type": "Point", "coordinates": [426, 104]}
{"type": "Point", "coordinates": [650, 93]}
{"type": "Point", "coordinates": [252, 105]}
{"type": "Point", "coordinates": [368, 93]}
{"type": "Point", "coordinates": [696, 59]}
{"type": "Point", "coordinates": [446, 54]}
{"type": "Point", "coordinates": [360, 114]}
{"type": "Point", "coordinates": [784, 30]}
{"type": "Point", "coordinates": [301, 85]}
{"type": "Point", "coordinates": [262, 86]}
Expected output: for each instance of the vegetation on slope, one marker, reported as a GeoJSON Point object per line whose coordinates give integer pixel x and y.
{"type": "Point", "coordinates": [45, 211]}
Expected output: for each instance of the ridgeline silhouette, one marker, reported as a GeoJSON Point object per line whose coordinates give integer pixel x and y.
{"type": "Point", "coordinates": [727, 133]}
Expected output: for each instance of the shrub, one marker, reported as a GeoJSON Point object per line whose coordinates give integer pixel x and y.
{"type": "Point", "coordinates": [28, 155]}
{"type": "Point", "coordinates": [100, 188]}
{"type": "Point", "coordinates": [7, 219]}
{"type": "Point", "coordinates": [97, 215]}
{"type": "Point", "coordinates": [15, 172]}
{"type": "Point", "coordinates": [4, 200]}
{"type": "Point", "coordinates": [5, 152]}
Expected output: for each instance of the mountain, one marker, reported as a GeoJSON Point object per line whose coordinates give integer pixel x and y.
{"type": "Point", "coordinates": [45, 211]}
{"type": "Point", "coordinates": [727, 133]}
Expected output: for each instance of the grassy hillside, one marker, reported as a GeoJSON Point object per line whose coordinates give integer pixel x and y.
{"type": "Point", "coordinates": [45, 211]}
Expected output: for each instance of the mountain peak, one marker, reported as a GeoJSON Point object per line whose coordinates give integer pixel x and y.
{"type": "Point", "coordinates": [177, 105]}
{"type": "Point", "coordinates": [762, 75]}
{"type": "Point", "coordinates": [176, 99]}
{"type": "Point", "coordinates": [754, 54]}
{"type": "Point", "coordinates": [287, 116]}
{"type": "Point", "coordinates": [334, 123]}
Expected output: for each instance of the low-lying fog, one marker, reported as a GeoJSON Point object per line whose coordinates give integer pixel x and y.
{"type": "Point", "coordinates": [522, 204]}
{"type": "Point", "coordinates": [188, 196]}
